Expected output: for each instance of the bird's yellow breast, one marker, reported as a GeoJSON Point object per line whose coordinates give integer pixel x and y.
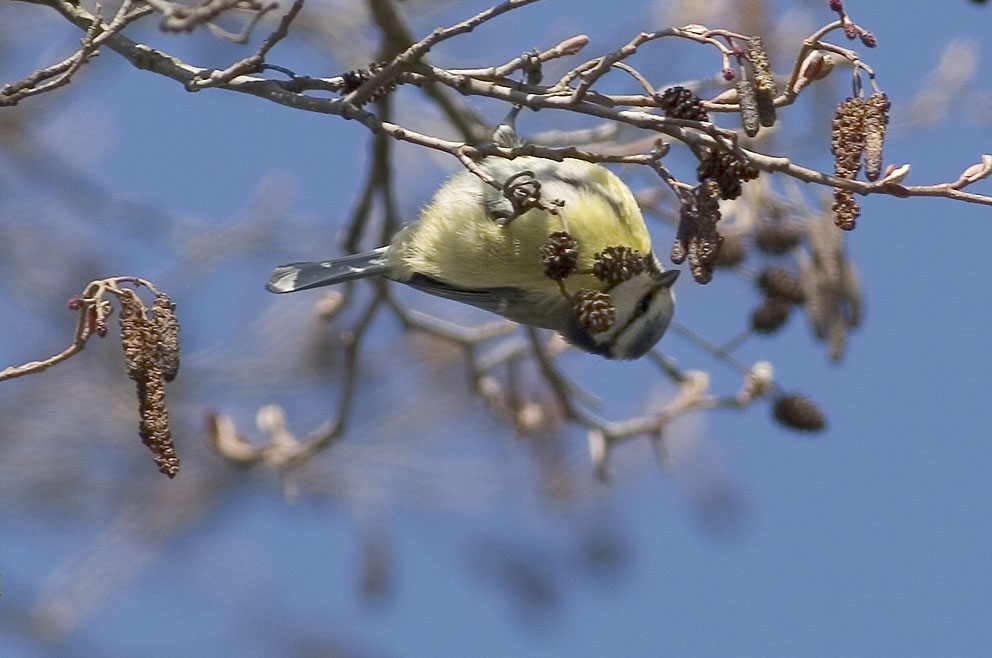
{"type": "Point", "coordinates": [459, 241]}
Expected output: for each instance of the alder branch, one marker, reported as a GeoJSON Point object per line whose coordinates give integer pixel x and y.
{"type": "Point", "coordinates": [693, 133]}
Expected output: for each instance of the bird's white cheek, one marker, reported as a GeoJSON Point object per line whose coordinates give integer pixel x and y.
{"type": "Point", "coordinates": [626, 298]}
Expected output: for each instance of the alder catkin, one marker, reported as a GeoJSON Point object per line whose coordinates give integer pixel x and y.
{"type": "Point", "coordinates": [766, 90]}
{"type": "Point", "coordinates": [848, 137]}
{"type": "Point", "coordinates": [154, 428]}
{"type": "Point", "coordinates": [875, 120]}
{"type": "Point", "coordinates": [697, 238]}
{"type": "Point", "coordinates": [847, 142]}
{"type": "Point", "coordinates": [166, 325]}
{"type": "Point", "coordinates": [747, 97]}
{"type": "Point", "coordinates": [150, 338]}
{"type": "Point", "coordinates": [133, 334]}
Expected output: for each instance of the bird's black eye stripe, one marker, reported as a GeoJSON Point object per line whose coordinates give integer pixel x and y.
{"type": "Point", "coordinates": [644, 304]}
{"type": "Point", "coordinates": [642, 307]}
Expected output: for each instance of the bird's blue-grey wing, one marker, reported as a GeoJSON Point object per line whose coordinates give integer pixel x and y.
{"type": "Point", "coordinates": [496, 300]}
{"type": "Point", "coordinates": [511, 303]}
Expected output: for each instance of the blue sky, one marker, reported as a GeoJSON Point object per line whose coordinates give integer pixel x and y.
{"type": "Point", "coordinates": [871, 539]}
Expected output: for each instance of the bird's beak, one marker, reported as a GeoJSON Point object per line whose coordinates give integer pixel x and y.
{"type": "Point", "coordinates": [667, 278]}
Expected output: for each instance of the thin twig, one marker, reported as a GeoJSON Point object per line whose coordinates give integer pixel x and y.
{"type": "Point", "coordinates": [694, 134]}
{"type": "Point", "coordinates": [416, 52]}
{"type": "Point", "coordinates": [81, 335]}
{"type": "Point", "coordinates": [254, 63]}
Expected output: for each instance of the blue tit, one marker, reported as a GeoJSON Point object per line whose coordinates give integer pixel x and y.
{"type": "Point", "coordinates": [599, 285]}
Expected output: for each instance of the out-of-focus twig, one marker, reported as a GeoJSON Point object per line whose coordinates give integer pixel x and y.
{"type": "Point", "coordinates": [180, 17]}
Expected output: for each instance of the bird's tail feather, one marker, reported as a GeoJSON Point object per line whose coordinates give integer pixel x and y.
{"type": "Point", "coordinates": [302, 276]}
